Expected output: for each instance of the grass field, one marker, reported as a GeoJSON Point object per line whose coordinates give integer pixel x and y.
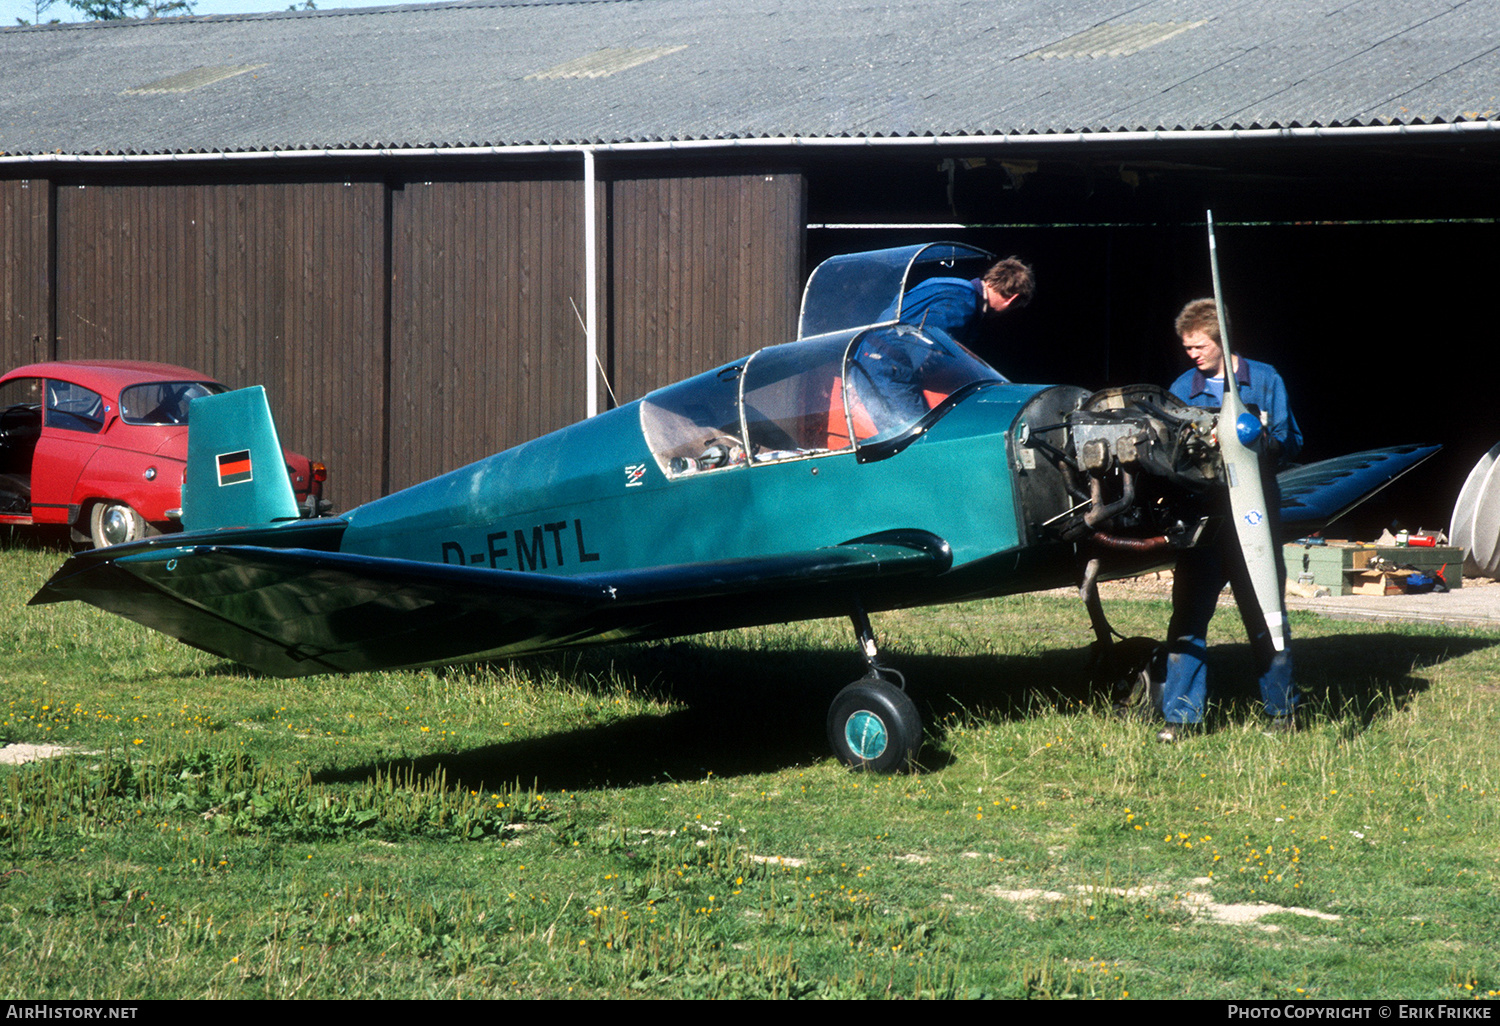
{"type": "Point", "coordinates": [665, 821]}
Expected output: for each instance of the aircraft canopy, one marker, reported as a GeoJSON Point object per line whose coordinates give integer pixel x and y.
{"type": "Point", "coordinates": [867, 390]}
{"type": "Point", "coordinates": [859, 289]}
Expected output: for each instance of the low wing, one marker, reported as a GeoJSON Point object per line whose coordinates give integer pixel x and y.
{"type": "Point", "coordinates": [295, 611]}
{"type": "Point", "coordinates": [1315, 495]}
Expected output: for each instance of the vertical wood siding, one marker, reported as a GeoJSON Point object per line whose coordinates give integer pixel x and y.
{"type": "Point", "coordinates": [397, 351]}
{"type": "Point", "coordinates": [276, 284]}
{"type": "Point", "coordinates": [25, 242]}
{"type": "Point", "coordinates": [486, 350]}
{"type": "Point", "coordinates": [705, 269]}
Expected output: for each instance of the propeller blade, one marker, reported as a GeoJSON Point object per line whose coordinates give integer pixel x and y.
{"type": "Point", "coordinates": [1239, 434]}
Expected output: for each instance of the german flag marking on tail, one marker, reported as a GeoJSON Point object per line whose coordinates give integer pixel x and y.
{"type": "Point", "coordinates": [234, 467]}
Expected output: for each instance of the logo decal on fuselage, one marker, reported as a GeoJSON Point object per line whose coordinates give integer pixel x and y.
{"type": "Point", "coordinates": [635, 475]}
{"type": "Point", "coordinates": [234, 468]}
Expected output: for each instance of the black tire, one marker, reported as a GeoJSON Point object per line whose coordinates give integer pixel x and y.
{"type": "Point", "coordinates": [1134, 670]}
{"type": "Point", "coordinates": [874, 726]}
{"type": "Point", "coordinates": [114, 523]}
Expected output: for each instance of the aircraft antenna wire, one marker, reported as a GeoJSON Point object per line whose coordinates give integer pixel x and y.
{"type": "Point", "coordinates": [602, 372]}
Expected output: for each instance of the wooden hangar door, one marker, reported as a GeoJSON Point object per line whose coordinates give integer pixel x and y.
{"type": "Point", "coordinates": [703, 269]}
{"type": "Point", "coordinates": [488, 292]}
{"type": "Point", "coordinates": [272, 283]}
{"type": "Point", "coordinates": [25, 271]}
{"type": "Point", "coordinates": [486, 351]}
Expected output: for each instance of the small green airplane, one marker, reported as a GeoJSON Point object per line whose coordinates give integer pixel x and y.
{"type": "Point", "coordinates": [869, 465]}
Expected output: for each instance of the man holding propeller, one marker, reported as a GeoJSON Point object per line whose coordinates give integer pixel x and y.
{"type": "Point", "coordinates": [1234, 557]}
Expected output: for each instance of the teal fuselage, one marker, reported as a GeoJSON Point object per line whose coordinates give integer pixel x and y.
{"type": "Point", "coordinates": [581, 538]}
{"type": "Point", "coordinates": [591, 499]}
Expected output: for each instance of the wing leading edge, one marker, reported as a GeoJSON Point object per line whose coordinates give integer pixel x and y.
{"type": "Point", "coordinates": [1315, 495]}
{"type": "Point", "coordinates": [296, 611]}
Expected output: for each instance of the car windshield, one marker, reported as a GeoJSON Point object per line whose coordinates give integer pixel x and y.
{"type": "Point", "coordinates": [163, 402]}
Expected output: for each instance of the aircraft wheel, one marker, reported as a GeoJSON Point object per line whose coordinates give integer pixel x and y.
{"type": "Point", "coordinates": [114, 523]}
{"type": "Point", "coordinates": [1134, 670]}
{"type": "Point", "coordinates": [874, 726]}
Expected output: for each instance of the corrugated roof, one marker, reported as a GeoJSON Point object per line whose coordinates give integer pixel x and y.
{"type": "Point", "coordinates": [505, 73]}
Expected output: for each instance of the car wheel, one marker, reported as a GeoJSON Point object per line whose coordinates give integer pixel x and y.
{"type": "Point", "coordinates": [874, 726]}
{"type": "Point", "coordinates": [114, 523]}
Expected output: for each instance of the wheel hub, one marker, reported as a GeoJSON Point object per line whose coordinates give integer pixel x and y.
{"type": "Point", "coordinates": [116, 525]}
{"type": "Point", "coordinates": [866, 735]}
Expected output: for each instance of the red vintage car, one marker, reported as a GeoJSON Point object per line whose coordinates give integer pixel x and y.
{"type": "Point", "coordinates": [100, 446]}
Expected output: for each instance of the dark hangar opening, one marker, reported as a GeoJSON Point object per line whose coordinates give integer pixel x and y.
{"type": "Point", "coordinates": [1361, 273]}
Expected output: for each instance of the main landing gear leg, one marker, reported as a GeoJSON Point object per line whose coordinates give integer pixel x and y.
{"type": "Point", "coordinates": [1128, 668]}
{"type": "Point", "coordinates": [873, 725]}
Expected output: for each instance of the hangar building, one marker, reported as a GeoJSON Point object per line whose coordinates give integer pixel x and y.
{"type": "Point", "coordinates": [435, 231]}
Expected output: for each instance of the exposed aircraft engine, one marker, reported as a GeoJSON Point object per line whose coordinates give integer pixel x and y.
{"type": "Point", "coordinates": [1128, 468]}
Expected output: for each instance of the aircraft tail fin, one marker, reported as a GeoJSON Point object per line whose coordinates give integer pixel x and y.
{"type": "Point", "coordinates": [236, 473]}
